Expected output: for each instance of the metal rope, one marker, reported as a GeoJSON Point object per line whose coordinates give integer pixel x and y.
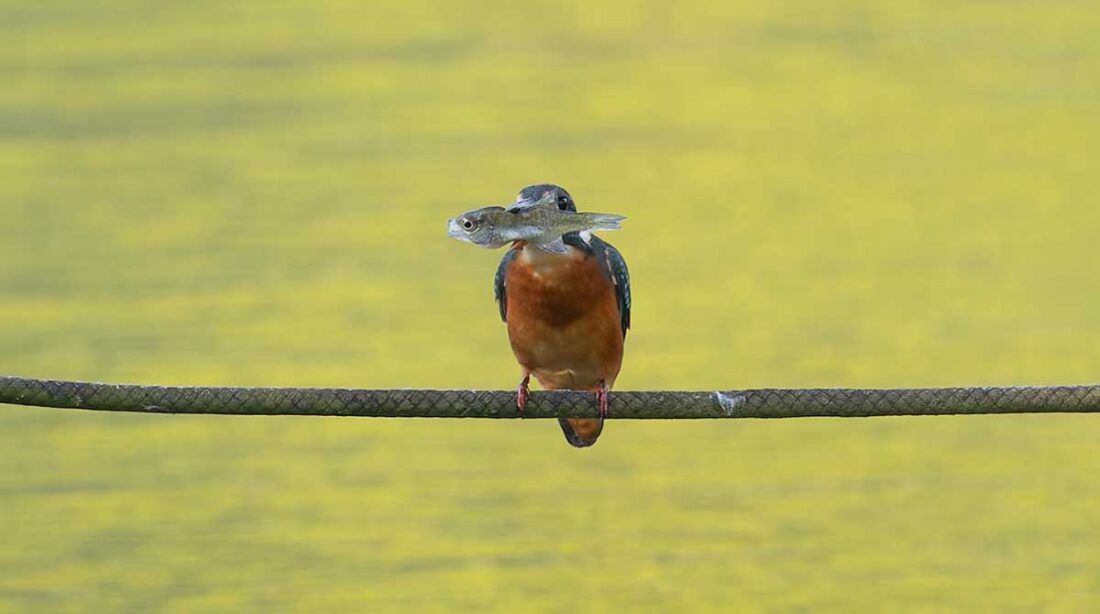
{"type": "Point", "coordinates": [406, 403]}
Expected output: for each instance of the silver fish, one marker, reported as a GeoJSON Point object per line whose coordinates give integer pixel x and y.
{"type": "Point", "coordinates": [540, 224]}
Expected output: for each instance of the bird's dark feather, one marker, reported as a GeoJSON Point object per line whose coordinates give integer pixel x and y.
{"type": "Point", "coordinates": [499, 291]}
{"type": "Point", "coordinates": [615, 266]}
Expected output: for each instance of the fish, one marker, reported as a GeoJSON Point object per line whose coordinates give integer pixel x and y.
{"type": "Point", "coordinates": [540, 224]}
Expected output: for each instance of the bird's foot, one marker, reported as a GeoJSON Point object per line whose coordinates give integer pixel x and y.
{"type": "Point", "coordinates": [603, 398]}
{"type": "Point", "coordinates": [522, 392]}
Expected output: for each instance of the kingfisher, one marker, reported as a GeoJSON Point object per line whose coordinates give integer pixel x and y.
{"type": "Point", "coordinates": [567, 313]}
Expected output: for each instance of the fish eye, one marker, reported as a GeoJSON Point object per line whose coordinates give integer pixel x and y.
{"type": "Point", "coordinates": [468, 224]}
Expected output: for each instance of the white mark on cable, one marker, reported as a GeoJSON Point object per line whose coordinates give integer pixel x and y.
{"type": "Point", "coordinates": [729, 404]}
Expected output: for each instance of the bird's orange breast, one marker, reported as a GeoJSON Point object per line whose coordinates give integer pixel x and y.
{"type": "Point", "coordinates": [563, 319]}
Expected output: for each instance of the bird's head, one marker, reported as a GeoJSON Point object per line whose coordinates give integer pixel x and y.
{"type": "Point", "coordinates": [545, 192]}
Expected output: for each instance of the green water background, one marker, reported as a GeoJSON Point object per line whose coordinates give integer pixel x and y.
{"type": "Point", "coordinates": [819, 194]}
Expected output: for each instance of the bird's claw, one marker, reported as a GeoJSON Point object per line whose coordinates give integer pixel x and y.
{"type": "Point", "coordinates": [522, 393]}
{"type": "Point", "coordinates": [603, 399]}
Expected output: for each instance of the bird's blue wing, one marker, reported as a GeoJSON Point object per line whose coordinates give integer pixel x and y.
{"type": "Point", "coordinates": [499, 291]}
{"type": "Point", "coordinates": [614, 265]}
{"type": "Point", "coordinates": [621, 275]}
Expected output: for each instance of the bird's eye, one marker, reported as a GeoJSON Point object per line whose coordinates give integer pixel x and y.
{"type": "Point", "coordinates": [468, 224]}
{"type": "Point", "coordinates": [563, 200]}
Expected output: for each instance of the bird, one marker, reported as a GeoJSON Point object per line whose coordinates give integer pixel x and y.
{"type": "Point", "coordinates": [567, 315]}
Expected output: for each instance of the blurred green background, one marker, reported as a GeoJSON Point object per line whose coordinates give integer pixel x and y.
{"type": "Point", "coordinates": [831, 193]}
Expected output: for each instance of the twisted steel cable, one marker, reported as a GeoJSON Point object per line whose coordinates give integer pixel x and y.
{"type": "Point", "coordinates": [408, 403]}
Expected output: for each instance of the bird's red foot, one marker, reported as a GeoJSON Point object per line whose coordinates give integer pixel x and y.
{"type": "Point", "coordinates": [603, 398]}
{"type": "Point", "coordinates": [522, 393]}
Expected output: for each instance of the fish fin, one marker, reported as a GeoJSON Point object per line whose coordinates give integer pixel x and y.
{"type": "Point", "coordinates": [527, 206]}
{"type": "Point", "coordinates": [605, 221]}
{"type": "Point", "coordinates": [520, 207]}
{"type": "Point", "coordinates": [557, 246]}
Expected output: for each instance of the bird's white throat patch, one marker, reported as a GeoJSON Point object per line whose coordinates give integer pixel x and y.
{"type": "Point", "coordinates": [542, 260]}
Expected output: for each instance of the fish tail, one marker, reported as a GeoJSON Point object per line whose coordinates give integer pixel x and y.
{"type": "Point", "coordinates": [603, 221]}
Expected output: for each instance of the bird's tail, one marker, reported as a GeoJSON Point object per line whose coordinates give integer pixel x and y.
{"type": "Point", "coordinates": [581, 432]}
{"type": "Point", "coordinates": [603, 221]}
